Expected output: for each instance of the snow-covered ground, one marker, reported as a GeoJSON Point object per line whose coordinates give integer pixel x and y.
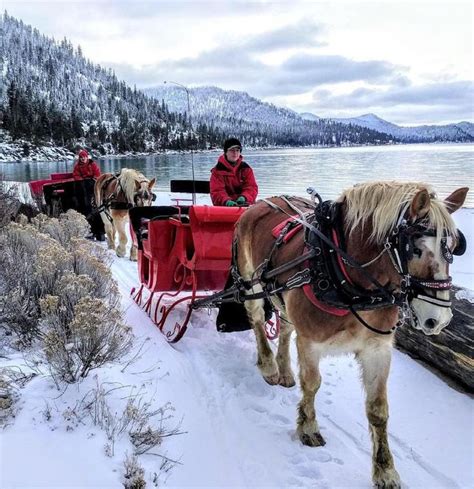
{"type": "Point", "coordinates": [239, 431]}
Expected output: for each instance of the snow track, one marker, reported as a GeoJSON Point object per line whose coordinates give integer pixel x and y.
{"type": "Point", "coordinates": [241, 431]}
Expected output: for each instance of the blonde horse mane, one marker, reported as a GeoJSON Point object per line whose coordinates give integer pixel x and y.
{"type": "Point", "coordinates": [381, 202]}
{"type": "Point", "coordinates": [127, 179]}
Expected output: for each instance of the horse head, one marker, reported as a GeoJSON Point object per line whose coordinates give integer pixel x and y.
{"type": "Point", "coordinates": [143, 195]}
{"type": "Point", "coordinates": [430, 241]}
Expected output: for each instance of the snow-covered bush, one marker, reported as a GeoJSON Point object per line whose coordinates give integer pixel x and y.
{"type": "Point", "coordinates": [133, 477]}
{"type": "Point", "coordinates": [57, 287]}
{"type": "Point", "coordinates": [145, 427]}
{"type": "Point", "coordinates": [65, 229]}
{"type": "Point", "coordinates": [8, 203]}
{"type": "Point", "coordinates": [27, 261]}
{"type": "Point", "coordinates": [81, 333]}
{"type": "Point", "coordinates": [11, 380]}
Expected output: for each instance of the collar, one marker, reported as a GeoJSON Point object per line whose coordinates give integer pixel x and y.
{"type": "Point", "coordinates": [233, 168]}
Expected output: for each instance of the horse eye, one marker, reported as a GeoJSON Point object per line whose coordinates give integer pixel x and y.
{"type": "Point", "coordinates": [418, 252]}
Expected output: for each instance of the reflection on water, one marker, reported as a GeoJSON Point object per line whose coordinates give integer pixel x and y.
{"type": "Point", "coordinates": [291, 171]}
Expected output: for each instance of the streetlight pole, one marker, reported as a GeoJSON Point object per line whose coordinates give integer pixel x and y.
{"type": "Point", "coordinates": [184, 87]}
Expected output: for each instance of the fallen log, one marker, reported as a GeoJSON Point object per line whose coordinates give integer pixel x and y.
{"type": "Point", "coordinates": [452, 351]}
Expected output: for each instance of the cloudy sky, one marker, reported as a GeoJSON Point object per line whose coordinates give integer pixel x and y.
{"type": "Point", "coordinates": [410, 62]}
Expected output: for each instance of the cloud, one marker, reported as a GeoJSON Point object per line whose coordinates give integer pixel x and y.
{"type": "Point", "coordinates": [410, 104]}
{"type": "Point", "coordinates": [239, 69]}
{"type": "Point", "coordinates": [300, 35]}
{"type": "Point", "coordinates": [434, 94]}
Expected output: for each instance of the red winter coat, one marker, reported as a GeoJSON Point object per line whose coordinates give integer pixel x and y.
{"type": "Point", "coordinates": [85, 170]}
{"type": "Point", "coordinates": [229, 182]}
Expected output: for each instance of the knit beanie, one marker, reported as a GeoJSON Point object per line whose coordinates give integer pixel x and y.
{"type": "Point", "coordinates": [83, 153]}
{"type": "Point", "coordinates": [232, 143]}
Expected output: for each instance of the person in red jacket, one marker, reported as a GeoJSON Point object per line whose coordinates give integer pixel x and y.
{"type": "Point", "coordinates": [232, 180]}
{"type": "Point", "coordinates": [85, 172]}
{"type": "Point", "coordinates": [85, 167]}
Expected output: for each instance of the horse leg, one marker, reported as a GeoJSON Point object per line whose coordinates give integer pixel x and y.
{"type": "Point", "coordinates": [110, 233]}
{"type": "Point", "coordinates": [310, 381]}
{"type": "Point", "coordinates": [375, 363]}
{"type": "Point", "coordinates": [287, 379]}
{"type": "Point", "coordinates": [133, 253]}
{"type": "Point", "coordinates": [120, 226]}
{"type": "Point", "coordinates": [266, 360]}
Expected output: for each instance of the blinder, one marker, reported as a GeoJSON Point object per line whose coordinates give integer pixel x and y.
{"type": "Point", "coordinates": [409, 235]}
{"type": "Point", "coordinates": [146, 195]}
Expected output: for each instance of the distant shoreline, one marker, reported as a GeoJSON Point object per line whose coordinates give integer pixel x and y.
{"type": "Point", "coordinates": [12, 152]}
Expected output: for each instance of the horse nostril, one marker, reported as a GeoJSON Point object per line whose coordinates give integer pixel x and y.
{"type": "Point", "coordinates": [431, 323]}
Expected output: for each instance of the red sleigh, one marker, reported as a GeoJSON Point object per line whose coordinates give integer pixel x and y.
{"type": "Point", "coordinates": [183, 252]}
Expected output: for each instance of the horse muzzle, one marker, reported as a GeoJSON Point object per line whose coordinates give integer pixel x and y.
{"type": "Point", "coordinates": [429, 318]}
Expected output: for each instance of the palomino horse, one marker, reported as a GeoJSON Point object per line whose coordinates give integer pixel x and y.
{"type": "Point", "coordinates": [390, 255]}
{"type": "Point", "coordinates": [114, 196]}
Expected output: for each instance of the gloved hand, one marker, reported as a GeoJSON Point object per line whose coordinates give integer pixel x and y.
{"type": "Point", "coordinates": [241, 200]}
{"type": "Point", "coordinates": [231, 203]}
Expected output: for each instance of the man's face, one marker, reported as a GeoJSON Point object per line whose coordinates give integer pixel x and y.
{"type": "Point", "coordinates": [83, 160]}
{"type": "Point", "coordinates": [233, 154]}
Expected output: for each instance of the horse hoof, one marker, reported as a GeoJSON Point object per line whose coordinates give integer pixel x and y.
{"type": "Point", "coordinates": [287, 380]}
{"type": "Point", "coordinates": [387, 480]}
{"type": "Point", "coordinates": [312, 440]}
{"type": "Point", "coordinates": [133, 258]}
{"type": "Point", "coordinates": [272, 379]}
{"type": "Point", "coordinates": [120, 254]}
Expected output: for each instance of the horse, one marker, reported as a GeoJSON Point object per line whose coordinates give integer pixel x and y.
{"type": "Point", "coordinates": [114, 195]}
{"type": "Point", "coordinates": [350, 269]}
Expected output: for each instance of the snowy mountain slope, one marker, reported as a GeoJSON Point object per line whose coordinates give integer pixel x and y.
{"type": "Point", "coordinates": [210, 104]}
{"type": "Point", "coordinates": [239, 113]}
{"type": "Point", "coordinates": [309, 117]}
{"type": "Point", "coordinates": [462, 131]}
{"type": "Point", "coordinates": [50, 92]}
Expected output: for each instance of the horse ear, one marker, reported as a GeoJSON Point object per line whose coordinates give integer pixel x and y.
{"type": "Point", "coordinates": [456, 199]}
{"type": "Point", "coordinates": [137, 185]}
{"type": "Point", "coordinates": [420, 205]}
{"type": "Point", "coordinates": [151, 183]}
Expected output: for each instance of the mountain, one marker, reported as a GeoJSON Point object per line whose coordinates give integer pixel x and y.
{"type": "Point", "coordinates": [51, 94]}
{"type": "Point", "coordinates": [260, 123]}
{"type": "Point", "coordinates": [460, 132]}
{"type": "Point", "coordinates": [212, 105]}
{"type": "Point", "coordinates": [309, 117]}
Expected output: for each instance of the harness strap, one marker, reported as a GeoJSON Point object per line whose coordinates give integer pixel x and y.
{"type": "Point", "coordinates": [433, 300]}
{"type": "Point", "coordinates": [368, 326]}
{"type": "Point", "coordinates": [390, 297]}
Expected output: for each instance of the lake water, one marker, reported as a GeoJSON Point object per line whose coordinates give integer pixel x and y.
{"type": "Point", "coordinates": [291, 171]}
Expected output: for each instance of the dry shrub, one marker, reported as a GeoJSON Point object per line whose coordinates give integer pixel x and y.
{"type": "Point", "coordinates": [9, 203]}
{"type": "Point", "coordinates": [11, 380]}
{"type": "Point", "coordinates": [58, 287]}
{"type": "Point", "coordinates": [81, 336]}
{"type": "Point", "coordinates": [65, 229]}
{"type": "Point", "coordinates": [27, 260]}
{"type": "Point", "coordinates": [146, 427]}
{"type": "Point", "coordinates": [94, 261]}
{"type": "Point", "coordinates": [133, 477]}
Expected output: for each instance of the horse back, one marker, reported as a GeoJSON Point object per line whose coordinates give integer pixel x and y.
{"type": "Point", "coordinates": [254, 230]}
{"type": "Point", "coordinates": [102, 187]}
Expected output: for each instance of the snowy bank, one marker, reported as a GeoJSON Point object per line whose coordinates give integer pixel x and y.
{"type": "Point", "coordinates": [240, 432]}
